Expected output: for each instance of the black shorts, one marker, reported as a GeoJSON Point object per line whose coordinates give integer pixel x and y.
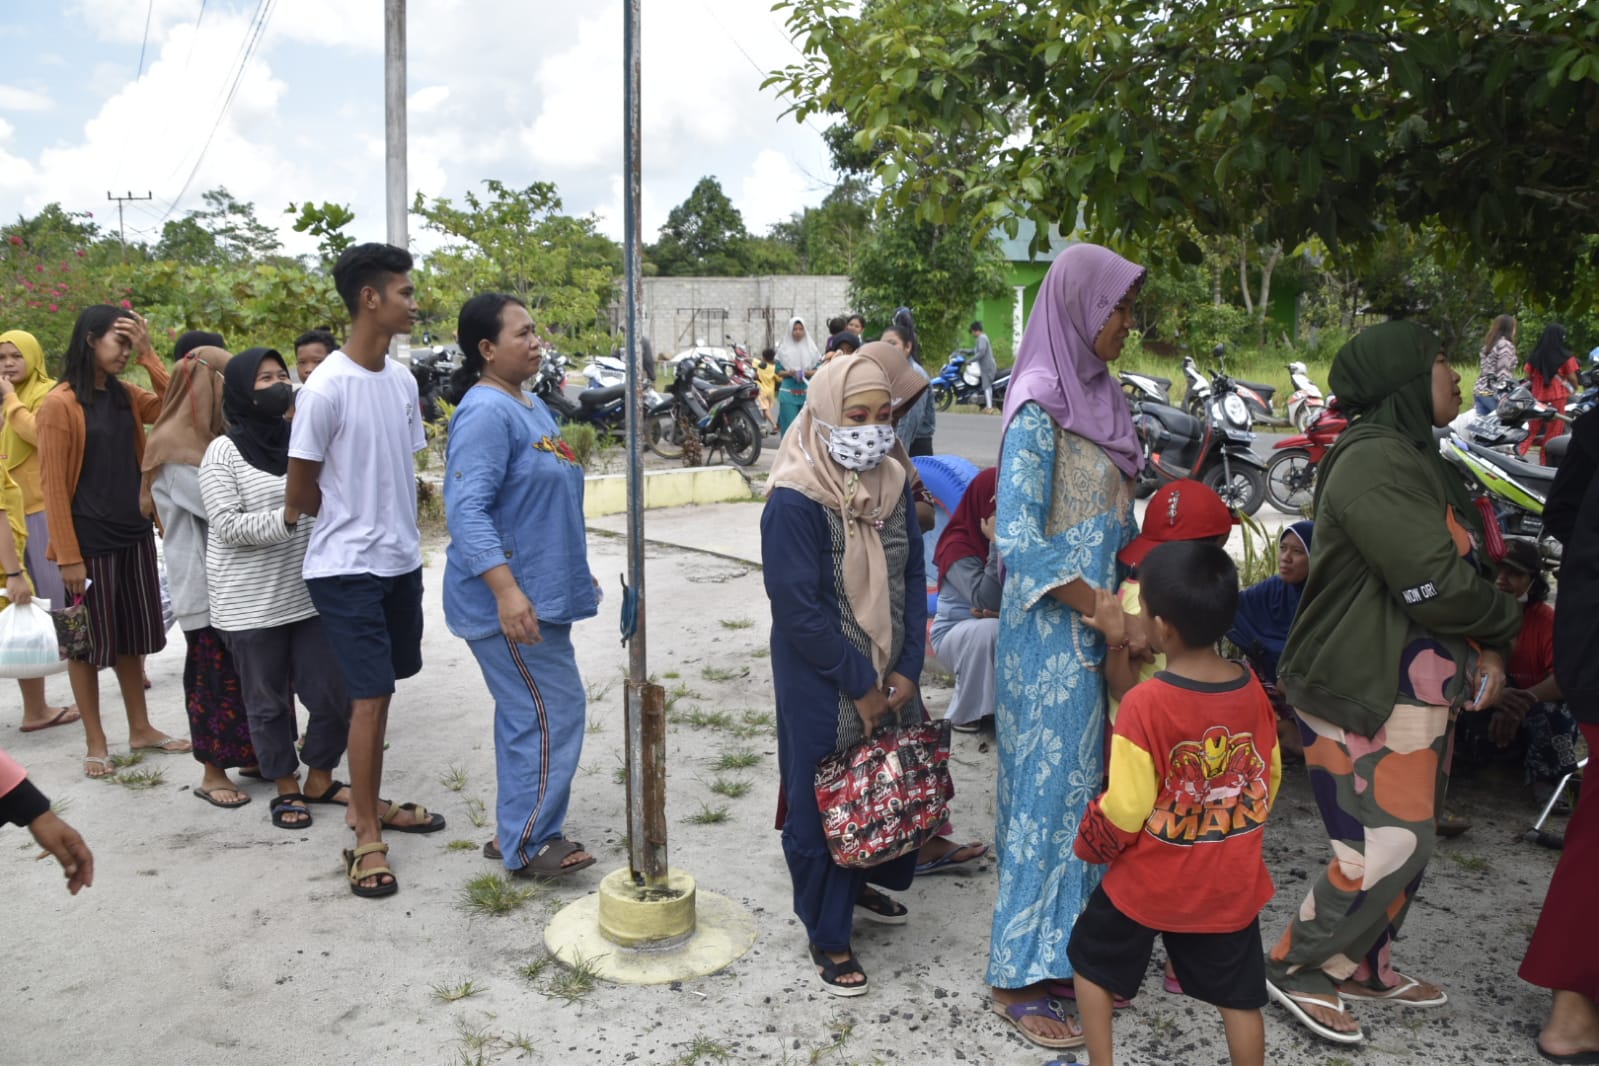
{"type": "Point", "coordinates": [374, 626]}
{"type": "Point", "coordinates": [1223, 969]}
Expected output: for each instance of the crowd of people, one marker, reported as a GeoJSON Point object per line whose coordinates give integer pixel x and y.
{"type": "Point", "coordinates": [1133, 757]}
{"type": "Point", "coordinates": [1137, 766]}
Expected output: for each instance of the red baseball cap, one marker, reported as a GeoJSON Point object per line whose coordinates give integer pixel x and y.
{"type": "Point", "coordinates": [1179, 510]}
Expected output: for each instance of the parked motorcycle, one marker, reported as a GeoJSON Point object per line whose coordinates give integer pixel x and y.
{"type": "Point", "coordinates": [961, 381]}
{"type": "Point", "coordinates": [1215, 448]}
{"type": "Point", "coordinates": [1146, 387]}
{"type": "Point", "coordinates": [1306, 404]}
{"type": "Point", "coordinates": [432, 367]}
{"type": "Point", "coordinates": [1291, 471]}
{"type": "Point", "coordinates": [1257, 395]}
{"type": "Point", "coordinates": [697, 422]}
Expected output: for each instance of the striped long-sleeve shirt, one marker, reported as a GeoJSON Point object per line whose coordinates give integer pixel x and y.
{"type": "Point", "coordinates": [253, 559]}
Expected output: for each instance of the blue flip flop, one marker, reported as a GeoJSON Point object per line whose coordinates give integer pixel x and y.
{"type": "Point", "coordinates": [946, 862]}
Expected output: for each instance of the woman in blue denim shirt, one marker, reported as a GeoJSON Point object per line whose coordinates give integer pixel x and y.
{"type": "Point", "coordinates": [517, 578]}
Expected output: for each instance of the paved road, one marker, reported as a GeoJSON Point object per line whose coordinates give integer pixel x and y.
{"type": "Point", "coordinates": [976, 438]}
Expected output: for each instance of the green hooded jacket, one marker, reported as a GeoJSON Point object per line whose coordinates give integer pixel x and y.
{"type": "Point", "coordinates": [1398, 554]}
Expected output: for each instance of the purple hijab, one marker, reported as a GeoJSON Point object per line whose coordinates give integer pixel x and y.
{"type": "Point", "coordinates": [1056, 367]}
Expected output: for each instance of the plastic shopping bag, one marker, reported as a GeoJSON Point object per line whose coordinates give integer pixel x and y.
{"type": "Point", "coordinates": [29, 646]}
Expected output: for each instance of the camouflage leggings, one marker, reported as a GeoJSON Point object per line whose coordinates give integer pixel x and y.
{"type": "Point", "coordinates": [1379, 797]}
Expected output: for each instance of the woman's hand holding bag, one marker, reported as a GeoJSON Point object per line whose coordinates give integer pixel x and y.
{"type": "Point", "coordinates": [29, 646]}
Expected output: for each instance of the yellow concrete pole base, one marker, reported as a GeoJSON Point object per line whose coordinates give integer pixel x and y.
{"type": "Point", "coordinates": [648, 936]}
{"type": "Point", "coordinates": [653, 916]}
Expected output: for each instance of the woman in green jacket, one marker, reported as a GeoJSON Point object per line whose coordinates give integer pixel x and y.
{"type": "Point", "coordinates": [1400, 628]}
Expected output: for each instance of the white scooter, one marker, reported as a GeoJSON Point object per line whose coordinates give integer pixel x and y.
{"type": "Point", "coordinates": [1307, 402]}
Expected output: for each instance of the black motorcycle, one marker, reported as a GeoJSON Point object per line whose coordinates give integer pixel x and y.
{"type": "Point", "coordinates": [701, 420]}
{"type": "Point", "coordinates": [432, 368]}
{"type": "Point", "coordinates": [602, 408]}
{"type": "Point", "coordinates": [1216, 448]}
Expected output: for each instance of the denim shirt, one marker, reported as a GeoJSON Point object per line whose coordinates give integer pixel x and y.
{"type": "Point", "coordinates": [513, 496]}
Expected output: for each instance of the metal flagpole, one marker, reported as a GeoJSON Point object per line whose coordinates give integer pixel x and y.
{"type": "Point", "coordinates": [646, 712]}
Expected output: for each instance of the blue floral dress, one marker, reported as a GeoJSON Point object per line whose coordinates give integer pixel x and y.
{"type": "Point", "coordinates": [1065, 510]}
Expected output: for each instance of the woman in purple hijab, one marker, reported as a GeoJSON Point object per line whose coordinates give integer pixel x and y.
{"type": "Point", "coordinates": [1065, 510]}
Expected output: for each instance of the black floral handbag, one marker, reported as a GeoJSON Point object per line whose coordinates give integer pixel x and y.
{"type": "Point", "coordinates": [72, 630]}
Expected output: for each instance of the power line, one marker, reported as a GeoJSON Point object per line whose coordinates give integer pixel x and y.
{"type": "Point", "coordinates": [148, 11]}
{"type": "Point", "coordinates": [194, 36]}
{"type": "Point", "coordinates": [252, 42]}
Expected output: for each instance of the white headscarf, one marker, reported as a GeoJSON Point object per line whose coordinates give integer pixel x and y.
{"type": "Point", "coordinates": [801, 354]}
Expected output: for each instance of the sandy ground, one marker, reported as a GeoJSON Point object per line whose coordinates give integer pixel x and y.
{"type": "Point", "coordinates": [212, 937]}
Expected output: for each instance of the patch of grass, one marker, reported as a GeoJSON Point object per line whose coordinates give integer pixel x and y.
{"type": "Point", "coordinates": [736, 623]}
{"type": "Point", "coordinates": [717, 673]}
{"type": "Point", "coordinates": [1475, 863]}
{"type": "Point", "coordinates": [761, 653]}
{"type": "Point", "coordinates": [671, 675]}
{"type": "Point", "coordinates": [708, 815]}
{"type": "Point", "coordinates": [123, 760]}
{"type": "Point", "coordinates": [755, 724]}
{"type": "Point", "coordinates": [736, 759]}
{"type": "Point", "coordinates": [680, 691]}
{"type": "Point", "coordinates": [532, 971]}
{"type": "Point", "coordinates": [573, 981]}
{"type": "Point", "coordinates": [61, 804]}
{"type": "Point", "coordinates": [836, 1045]}
{"type": "Point", "coordinates": [461, 845]}
{"type": "Point", "coordinates": [619, 775]}
{"type": "Point", "coordinates": [446, 993]}
{"type": "Point", "coordinates": [700, 718]}
{"type": "Point", "coordinates": [139, 780]}
{"type": "Point", "coordinates": [703, 1049]}
{"type": "Point", "coordinates": [454, 778]}
{"type": "Point", "coordinates": [732, 789]}
{"type": "Point", "coordinates": [494, 894]}
{"type": "Point", "coordinates": [596, 724]}
{"type": "Point", "coordinates": [520, 1041]}
{"type": "Point", "coordinates": [597, 692]}
{"type": "Point", "coordinates": [477, 813]}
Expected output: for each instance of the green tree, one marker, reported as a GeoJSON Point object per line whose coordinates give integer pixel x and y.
{"type": "Point", "coordinates": [1145, 122]}
{"type": "Point", "coordinates": [185, 240]}
{"type": "Point", "coordinates": [939, 272]}
{"type": "Point", "coordinates": [827, 238]}
{"type": "Point", "coordinates": [326, 222]}
{"type": "Point", "coordinates": [704, 235]}
{"type": "Point", "coordinates": [517, 241]}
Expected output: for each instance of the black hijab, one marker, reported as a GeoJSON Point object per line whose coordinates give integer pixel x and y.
{"type": "Point", "coordinates": [262, 439]}
{"type": "Point", "coordinates": [1551, 353]}
{"type": "Point", "coordinates": [196, 338]}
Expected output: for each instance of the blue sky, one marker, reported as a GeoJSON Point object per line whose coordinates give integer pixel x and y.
{"type": "Point", "coordinates": [520, 91]}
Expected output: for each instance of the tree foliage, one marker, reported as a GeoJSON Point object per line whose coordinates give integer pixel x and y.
{"type": "Point", "coordinates": [517, 241]}
{"type": "Point", "coordinates": [939, 272]}
{"type": "Point", "coordinates": [704, 235]}
{"type": "Point", "coordinates": [1149, 123]}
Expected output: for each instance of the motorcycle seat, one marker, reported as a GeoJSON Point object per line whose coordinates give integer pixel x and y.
{"type": "Point", "coordinates": [1180, 424]}
{"type": "Point", "coordinates": [718, 395]}
{"type": "Point", "coordinates": [589, 399]}
{"type": "Point", "coordinates": [1266, 391]}
{"type": "Point", "coordinates": [1164, 383]}
{"type": "Point", "coordinates": [1538, 478]}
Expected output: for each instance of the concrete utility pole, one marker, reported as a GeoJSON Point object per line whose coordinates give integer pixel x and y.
{"type": "Point", "coordinates": [122, 234]}
{"type": "Point", "coordinates": [394, 174]}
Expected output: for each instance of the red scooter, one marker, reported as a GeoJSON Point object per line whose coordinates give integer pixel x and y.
{"type": "Point", "coordinates": [1291, 472]}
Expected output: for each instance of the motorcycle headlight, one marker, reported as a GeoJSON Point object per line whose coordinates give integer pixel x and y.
{"type": "Point", "coordinates": [1235, 411]}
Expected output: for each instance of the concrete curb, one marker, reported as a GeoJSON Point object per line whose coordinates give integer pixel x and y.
{"type": "Point", "coordinates": [606, 494]}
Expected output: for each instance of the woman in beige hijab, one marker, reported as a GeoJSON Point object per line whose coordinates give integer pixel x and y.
{"type": "Point", "coordinates": [191, 418]}
{"type": "Point", "coordinates": [844, 573]}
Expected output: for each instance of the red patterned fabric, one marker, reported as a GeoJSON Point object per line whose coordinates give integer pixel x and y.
{"type": "Point", "coordinates": [886, 796]}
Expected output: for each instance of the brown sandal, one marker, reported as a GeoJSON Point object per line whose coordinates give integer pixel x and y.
{"type": "Point", "coordinates": [352, 864]}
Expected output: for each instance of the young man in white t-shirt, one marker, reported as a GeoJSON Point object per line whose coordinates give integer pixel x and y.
{"type": "Point", "coordinates": [356, 425]}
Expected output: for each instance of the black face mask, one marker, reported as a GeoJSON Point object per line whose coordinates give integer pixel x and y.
{"type": "Point", "coordinates": [274, 401]}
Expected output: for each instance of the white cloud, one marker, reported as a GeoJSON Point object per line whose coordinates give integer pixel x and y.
{"type": "Point", "coordinates": [497, 89]}
{"type": "Point", "coordinates": [16, 98]}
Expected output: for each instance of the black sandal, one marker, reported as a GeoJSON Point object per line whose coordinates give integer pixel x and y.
{"type": "Point", "coordinates": [832, 971]}
{"type": "Point", "coordinates": [876, 907]}
{"type": "Point", "coordinates": [288, 803]}
{"type": "Point", "coordinates": [547, 860]}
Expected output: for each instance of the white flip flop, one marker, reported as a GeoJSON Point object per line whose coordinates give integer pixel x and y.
{"type": "Point", "coordinates": [1290, 1001]}
{"type": "Point", "coordinates": [1394, 994]}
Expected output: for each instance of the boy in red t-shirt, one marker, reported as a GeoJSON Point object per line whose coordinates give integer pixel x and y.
{"type": "Point", "coordinates": [1194, 769]}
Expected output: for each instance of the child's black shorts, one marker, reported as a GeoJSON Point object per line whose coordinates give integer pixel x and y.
{"type": "Point", "coordinates": [1222, 969]}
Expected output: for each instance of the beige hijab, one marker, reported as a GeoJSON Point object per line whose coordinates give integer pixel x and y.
{"type": "Point", "coordinates": [191, 415]}
{"type": "Point", "coordinates": [862, 498]}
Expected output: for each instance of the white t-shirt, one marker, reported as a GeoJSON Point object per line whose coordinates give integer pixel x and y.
{"type": "Point", "coordinates": [363, 427]}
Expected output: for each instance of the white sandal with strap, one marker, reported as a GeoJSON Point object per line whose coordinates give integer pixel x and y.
{"type": "Point", "coordinates": [1295, 1002]}
{"type": "Point", "coordinates": [1396, 994]}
